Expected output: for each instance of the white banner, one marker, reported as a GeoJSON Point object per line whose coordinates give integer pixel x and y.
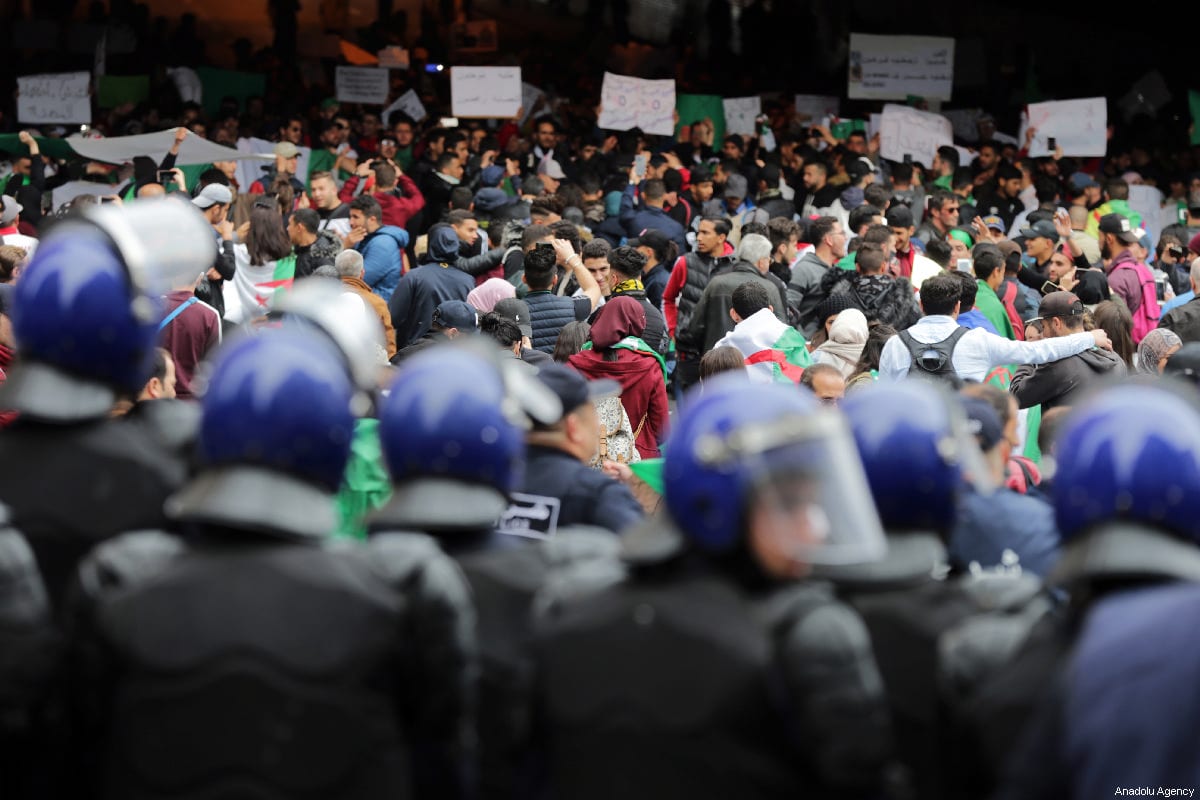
{"type": "Point", "coordinates": [367, 85]}
{"type": "Point", "coordinates": [485, 92]}
{"type": "Point", "coordinates": [407, 103]}
{"type": "Point", "coordinates": [1079, 127]}
{"type": "Point", "coordinates": [812, 108]}
{"type": "Point", "coordinates": [740, 113]}
{"type": "Point", "coordinates": [627, 103]}
{"type": "Point", "coordinates": [906, 131]}
{"type": "Point", "coordinates": [58, 98]}
{"type": "Point", "coordinates": [894, 67]}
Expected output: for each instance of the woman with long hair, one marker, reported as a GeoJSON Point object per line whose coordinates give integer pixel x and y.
{"type": "Point", "coordinates": [265, 264]}
{"type": "Point", "coordinates": [1114, 319]}
{"type": "Point", "coordinates": [615, 350]}
{"type": "Point", "coordinates": [866, 371]}
{"type": "Point", "coordinates": [571, 340]}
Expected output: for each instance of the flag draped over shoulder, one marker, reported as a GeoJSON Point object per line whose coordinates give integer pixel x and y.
{"type": "Point", "coordinates": [774, 351]}
{"type": "Point", "coordinates": [248, 294]}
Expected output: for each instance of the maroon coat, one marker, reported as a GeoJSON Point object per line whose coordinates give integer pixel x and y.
{"type": "Point", "coordinates": [189, 337]}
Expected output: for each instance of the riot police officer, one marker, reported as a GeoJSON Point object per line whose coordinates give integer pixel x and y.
{"type": "Point", "coordinates": [1127, 479]}
{"type": "Point", "coordinates": [85, 317]}
{"type": "Point", "coordinates": [714, 669]}
{"type": "Point", "coordinates": [917, 464]}
{"type": "Point", "coordinates": [245, 652]}
{"type": "Point", "coordinates": [452, 429]}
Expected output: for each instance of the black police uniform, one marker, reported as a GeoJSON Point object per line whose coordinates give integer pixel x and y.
{"type": "Point", "coordinates": [585, 496]}
{"type": "Point", "coordinates": [295, 668]}
{"type": "Point", "coordinates": [691, 680]}
{"type": "Point", "coordinates": [909, 605]}
{"type": "Point", "coordinates": [70, 487]}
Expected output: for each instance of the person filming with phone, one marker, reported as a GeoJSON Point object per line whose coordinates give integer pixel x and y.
{"type": "Point", "coordinates": [649, 213]}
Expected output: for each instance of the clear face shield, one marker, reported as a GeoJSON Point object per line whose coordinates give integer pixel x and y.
{"type": "Point", "coordinates": [807, 501]}
{"type": "Point", "coordinates": [164, 242]}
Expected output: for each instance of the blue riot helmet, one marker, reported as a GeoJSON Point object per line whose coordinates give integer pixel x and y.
{"type": "Point", "coordinates": [739, 447]}
{"type": "Point", "coordinates": [325, 305]}
{"type": "Point", "coordinates": [274, 438]}
{"type": "Point", "coordinates": [452, 428]}
{"type": "Point", "coordinates": [918, 453]}
{"type": "Point", "coordinates": [86, 310]}
{"type": "Point", "coordinates": [1131, 453]}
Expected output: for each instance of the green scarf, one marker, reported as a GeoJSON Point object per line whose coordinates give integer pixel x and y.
{"type": "Point", "coordinates": [638, 346]}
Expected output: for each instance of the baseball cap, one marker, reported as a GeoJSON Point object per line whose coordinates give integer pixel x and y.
{"type": "Point", "coordinates": [1081, 181]}
{"type": "Point", "coordinates": [736, 186]}
{"type": "Point", "coordinates": [993, 221]}
{"type": "Point", "coordinates": [899, 216]}
{"type": "Point", "coordinates": [859, 168]}
{"type": "Point", "coordinates": [656, 240]}
{"type": "Point", "coordinates": [983, 422]}
{"type": "Point", "coordinates": [286, 150]}
{"type": "Point", "coordinates": [213, 194]}
{"type": "Point", "coordinates": [551, 169]}
{"type": "Point", "coordinates": [455, 314]}
{"type": "Point", "coordinates": [1060, 304]}
{"type": "Point", "coordinates": [491, 176]}
{"type": "Point", "coordinates": [1041, 229]}
{"type": "Point", "coordinates": [11, 208]}
{"type": "Point", "coordinates": [572, 389]}
{"type": "Point", "coordinates": [1118, 226]}
{"type": "Point", "coordinates": [518, 311]}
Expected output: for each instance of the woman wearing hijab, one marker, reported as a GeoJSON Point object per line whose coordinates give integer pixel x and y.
{"type": "Point", "coordinates": [1154, 350]}
{"type": "Point", "coordinates": [485, 296]}
{"type": "Point", "coordinates": [843, 348]}
{"type": "Point", "coordinates": [615, 351]}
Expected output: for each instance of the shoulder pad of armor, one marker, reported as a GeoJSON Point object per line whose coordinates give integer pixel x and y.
{"type": "Point", "coordinates": [128, 558]}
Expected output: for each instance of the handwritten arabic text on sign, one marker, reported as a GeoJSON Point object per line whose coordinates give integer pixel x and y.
{"type": "Point", "coordinates": [894, 67]}
{"type": "Point", "coordinates": [362, 85]}
{"type": "Point", "coordinates": [627, 103]}
{"type": "Point", "coordinates": [55, 98]}
{"type": "Point", "coordinates": [906, 131]}
{"type": "Point", "coordinates": [489, 92]}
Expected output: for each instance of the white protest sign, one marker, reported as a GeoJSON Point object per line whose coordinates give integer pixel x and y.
{"type": "Point", "coordinates": [740, 113]}
{"type": "Point", "coordinates": [894, 67]}
{"type": "Point", "coordinates": [812, 108]}
{"type": "Point", "coordinates": [530, 95]}
{"type": "Point", "coordinates": [488, 92]}
{"type": "Point", "coordinates": [906, 131]}
{"type": "Point", "coordinates": [408, 104]}
{"type": "Point", "coordinates": [393, 57]}
{"type": "Point", "coordinates": [361, 85]}
{"type": "Point", "coordinates": [61, 97]}
{"type": "Point", "coordinates": [627, 103]}
{"type": "Point", "coordinates": [1080, 127]}
{"type": "Point", "coordinates": [1147, 201]}
{"type": "Point", "coordinates": [249, 170]}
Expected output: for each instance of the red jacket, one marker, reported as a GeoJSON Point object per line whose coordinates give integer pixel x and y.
{"type": "Point", "coordinates": [643, 392]}
{"type": "Point", "coordinates": [398, 206]}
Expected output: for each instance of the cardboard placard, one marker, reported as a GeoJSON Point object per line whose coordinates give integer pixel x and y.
{"type": "Point", "coordinates": [895, 67]}
{"type": "Point", "coordinates": [58, 98]}
{"type": "Point", "coordinates": [627, 103]}
{"type": "Point", "coordinates": [367, 85]}
{"type": "Point", "coordinates": [485, 92]}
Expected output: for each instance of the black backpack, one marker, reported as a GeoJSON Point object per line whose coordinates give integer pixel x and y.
{"type": "Point", "coordinates": [934, 359]}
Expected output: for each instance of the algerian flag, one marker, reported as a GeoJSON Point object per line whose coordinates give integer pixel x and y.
{"type": "Point", "coordinates": [248, 294]}
{"type": "Point", "coordinates": [775, 352]}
